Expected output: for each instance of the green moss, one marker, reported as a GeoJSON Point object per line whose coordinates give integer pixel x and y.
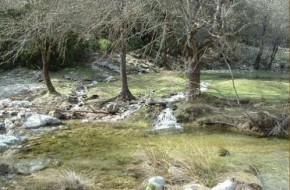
{"type": "Point", "coordinates": [114, 154]}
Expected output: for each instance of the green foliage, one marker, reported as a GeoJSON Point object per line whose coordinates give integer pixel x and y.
{"type": "Point", "coordinates": [104, 44]}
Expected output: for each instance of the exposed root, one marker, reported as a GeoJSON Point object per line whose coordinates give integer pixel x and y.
{"type": "Point", "coordinates": [126, 96]}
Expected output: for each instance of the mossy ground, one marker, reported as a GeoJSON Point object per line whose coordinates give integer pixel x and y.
{"type": "Point", "coordinates": [113, 155]}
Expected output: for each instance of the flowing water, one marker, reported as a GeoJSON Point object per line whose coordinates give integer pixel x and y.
{"type": "Point", "coordinates": [112, 153]}
{"type": "Point", "coordinates": [166, 120]}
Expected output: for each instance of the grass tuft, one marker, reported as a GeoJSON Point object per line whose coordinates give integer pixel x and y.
{"type": "Point", "coordinates": [70, 180]}
{"type": "Point", "coordinates": [193, 164]}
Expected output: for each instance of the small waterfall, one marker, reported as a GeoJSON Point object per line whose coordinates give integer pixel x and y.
{"type": "Point", "coordinates": [166, 120]}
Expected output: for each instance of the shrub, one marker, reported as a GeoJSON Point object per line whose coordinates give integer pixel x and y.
{"type": "Point", "coordinates": [104, 44]}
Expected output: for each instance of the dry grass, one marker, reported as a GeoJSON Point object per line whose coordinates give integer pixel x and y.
{"type": "Point", "coordinates": [65, 179]}
{"type": "Point", "coordinates": [202, 163]}
{"type": "Point", "coordinates": [192, 165]}
{"type": "Point", "coordinates": [70, 180]}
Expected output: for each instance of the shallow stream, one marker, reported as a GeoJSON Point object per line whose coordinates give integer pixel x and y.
{"type": "Point", "coordinates": [111, 154]}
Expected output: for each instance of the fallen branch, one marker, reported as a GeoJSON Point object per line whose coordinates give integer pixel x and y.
{"type": "Point", "coordinates": [83, 111]}
{"type": "Point", "coordinates": [219, 122]}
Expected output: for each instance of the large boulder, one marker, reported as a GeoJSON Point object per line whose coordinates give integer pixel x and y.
{"type": "Point", "coordinates": [38, 120]}
{"type": "Point", "coordinates": [156, 183]}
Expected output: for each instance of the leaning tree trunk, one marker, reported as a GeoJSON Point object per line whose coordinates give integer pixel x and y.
{"type": "Point", "coordinates": [125, 94]}
{"type": "Point", "coordinates": [259, 55]}
{"type": "Point", "coordinates": [45, 56]}
{"type": "Point", "coordinates": [194, 67]}
{"type": "Point", "coordinates": [272, 57]}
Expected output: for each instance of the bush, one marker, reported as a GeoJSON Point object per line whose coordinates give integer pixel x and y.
{"type": "Point", "coordinates": [104, 44]}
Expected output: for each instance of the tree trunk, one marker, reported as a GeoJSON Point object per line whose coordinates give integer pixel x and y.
{"type": "Point", "coordinates": [194, 67]}
{"type": "Point", "coordinates": [272, 57]}
{"type": "Point", "coordinates": [262, 46]}
{"type": "Point", "coordinates": [125, 94]}
{"type": "Point", "coordinates": [45, 56]}
{"type": "Point", "coordinates": [194, 76]}
{"type": "Point", "coordinates": [258, 58]}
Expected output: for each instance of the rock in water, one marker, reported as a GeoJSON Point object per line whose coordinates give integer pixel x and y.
{"type": "Point", "coordinates": [38, 120]}
{"type": "Point", "coordinates": [156, 183]}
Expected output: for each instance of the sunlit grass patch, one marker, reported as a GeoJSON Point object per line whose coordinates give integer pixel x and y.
{"type": "Point", "coordinates": [256, 89]}
{"type": "Point", "coordinates": [154, 84]}
{"type": "Point", "coordinates": [241, 74]}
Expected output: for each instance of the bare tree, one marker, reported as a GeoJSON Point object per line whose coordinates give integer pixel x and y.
{"type": "Point", "coordinates": [271, 18]}
{"type": "Point", "coordinates": [119, 19]}
{"type": "Point", "coordinates": [46, 24]}
{"type": "Point", "coordinates": [195, 25]}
